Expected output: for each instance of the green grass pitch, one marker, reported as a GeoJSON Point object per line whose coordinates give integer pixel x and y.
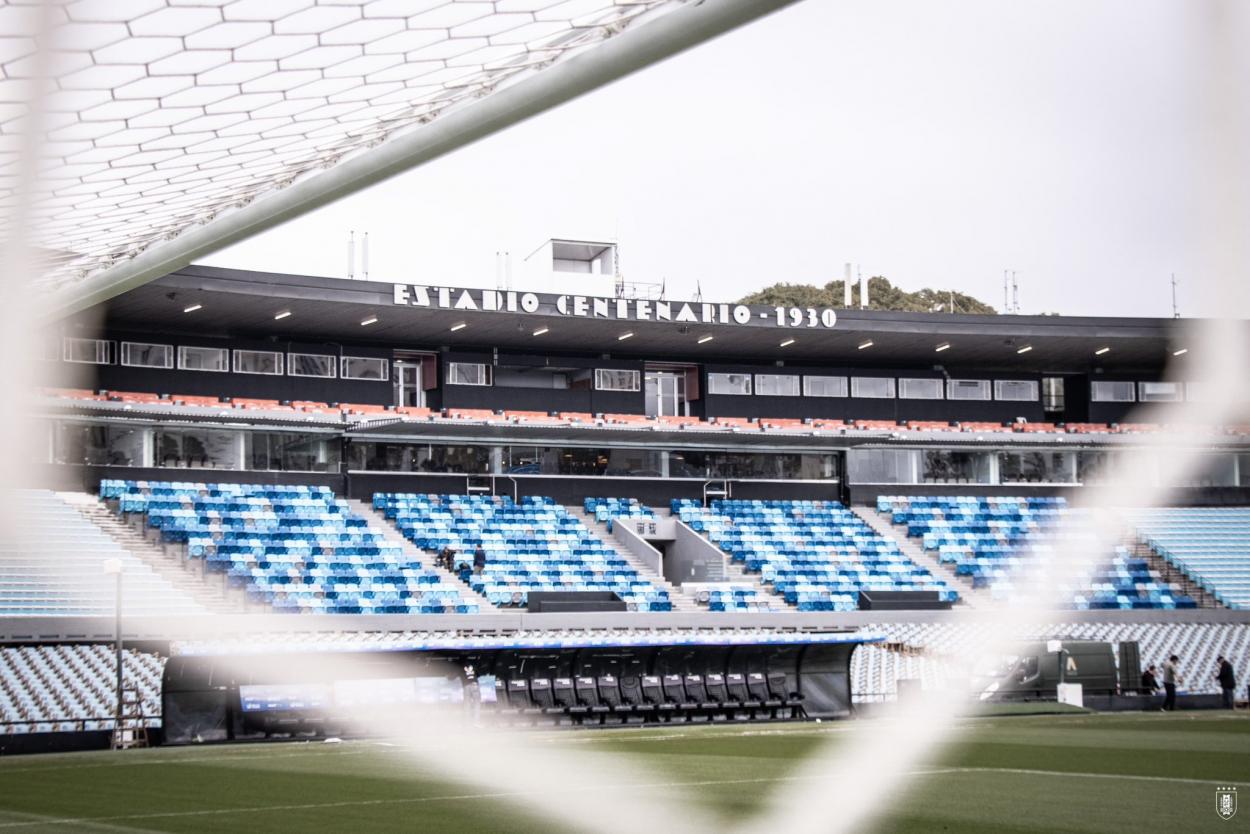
{"type": "Point", "coordinates": [1053, 773]}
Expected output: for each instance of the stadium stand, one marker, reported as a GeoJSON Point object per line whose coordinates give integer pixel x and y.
{"type": "Point", "coordinates": [53, 564]}
{"type": "Point", "coordinates": [294, 548]}
{"type": "Point", "coordinates": [534, 545]}
{"type": "Point", "coordinates": [817, 554]}
{"type": "Point", "coordinates": [996, 543]}
{"type": "Point", "coordinates": [604, 510]}
{"type": "Point", "coordinates": [72, 688]}
{"type": "Point", "coordinates": [1210, 545]}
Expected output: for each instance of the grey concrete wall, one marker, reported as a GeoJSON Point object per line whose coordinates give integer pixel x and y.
{"type": "Point", "coordinates": [637, 545]}
{"type": "Point", "coordinates": [689, 556]}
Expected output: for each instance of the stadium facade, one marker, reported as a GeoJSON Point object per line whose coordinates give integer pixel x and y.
{"type": "Point", "coordinates": [284, 461]}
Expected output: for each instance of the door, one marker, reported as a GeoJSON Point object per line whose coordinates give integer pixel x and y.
{"type": "Point", "coordinates": [408, 389]}
{"type": "Point", "coordinates": [666, 394]}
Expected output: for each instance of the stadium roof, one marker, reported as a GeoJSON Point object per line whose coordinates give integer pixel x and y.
{"type": "Point", "coordinates": [244, 304]}
{"type": "Point", "coordinates": [167, 129]}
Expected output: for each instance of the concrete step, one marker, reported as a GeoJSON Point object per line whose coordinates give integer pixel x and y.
{"type": "Point", "coordinates": [384, 527]}
{"type": "Point", "coordinates": [968, 596]}
{"type": "Point", "coordinates": [681, 602]}
{"type": "Point", "coordinates": [183, 574]}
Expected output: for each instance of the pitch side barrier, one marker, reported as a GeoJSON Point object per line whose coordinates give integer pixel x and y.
{"type": "Point", "coordinates": [626, 679]}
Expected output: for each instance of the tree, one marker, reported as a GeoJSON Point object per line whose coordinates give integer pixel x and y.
{"type": "Point", "coordinates": [882, 295]}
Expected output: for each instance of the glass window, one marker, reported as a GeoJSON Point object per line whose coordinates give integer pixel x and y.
{"type": "Point", "coordinates": [87, 351]}
{"type": "Point", "coordinates": [943, 466]}
{"type": "Point", "coordinates": [734, 384]}
{"type": "Point", "coordinates": [967, 389]}
{"type": "Point", "coordinates": [1103, 391]}
{"type": "Point", "coordinates": [872, 387]}
{"type": "Point", "coordinates": [742, 465]}
{"type": "Point", "coordinates": [264, 362]}
{"type": "Point", "coordinates": [1160, 392]}
{"type": "Point", "coordinates": [920, 389]}
{"type": "Point", "coordinates": [144, 355]}
{"type": "Point", "coordinates": [468, 373]}
{"type": "Point", "coordinates": [1015, 390]}
{"type": "Point", "coordinates": [363, 367]}
{"type": "Point", "coordinates": [776, 385]}
{"type": "Point", "coordinates": [203, 359]}
{"type": "Point", "coordinates": [98, 445]}
{"type": "Point", "coordinates": [824, 386]}
{"type": "Point", "coordinates": [881, 466]}
{"type": "Point", "coordinates": [1052, 393]}
{"type": "Point", "coordinates": [407, 457]}
{"type": "Point", "coordinates": [555, 460]}
{"type": "Point", "coordinates": [197, 449]}
{"type": "Point", "coordinates": [1036, 467]}
{"type": "Point", "coordinates": [611, 380]}
{"type": "Point", "coordinates": [310, 364]}
{"type": "Point", "coordinates": [292, 452]}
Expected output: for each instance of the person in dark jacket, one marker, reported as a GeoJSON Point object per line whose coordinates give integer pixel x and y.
{"type": "Point", "coordinates": [1149, 682]}
{"type": "Point", "coordinates": [479, 560]}
{"type": "Point", "coordinates": [1228, 680]}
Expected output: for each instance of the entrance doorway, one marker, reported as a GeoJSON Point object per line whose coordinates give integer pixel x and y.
{"type": "Point", "coordinates": [666, 394]}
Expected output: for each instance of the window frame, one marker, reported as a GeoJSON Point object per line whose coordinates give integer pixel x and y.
{"type": "Point", "coordinates": [602, 375]}
{"type": "Point", "coordinates": [982, 385]}
{"type": "Point", "coordinates": [1094, 385]}
{"type": "Point", "coordinates": [290, 365]}
{"type": "Point", "coordinates": [224, 353]}
{"type": "Point", "coordinates": [856, 393]}
{"type": "Point", "coordinates": [795, 378]}
{"type": "Point", "coordinates": [277, 356]}
{"type": "Point", "coordinates": [1035, 387]}
{"type": "Point", "coordinates": [109, 350]}
{"type": "Point", "coordinates": [384, 364]}
{"type": "Point", "coordinates": [845, 386]}
{"type": "Point", "coordinates": [486, 374]}
{"type": "Point", "coordinates": [713, 378]}
{"type": "Point", "coordinates": [123, 355]}
{"type": "Point", "coordinates": [1177, 388]}
{"type": "Point", "coordinates": [900, 385]}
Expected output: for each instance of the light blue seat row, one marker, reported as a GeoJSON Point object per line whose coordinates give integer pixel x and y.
{"type": "Point", "coordinates": [533, 545]}
{"type": "Point", "coordinates": [294, 548]}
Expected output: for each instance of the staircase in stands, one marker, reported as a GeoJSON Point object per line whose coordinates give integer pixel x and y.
{"type": "Point", "coordinates": [969, 596]}
{"type": "Point", "coordinates": [1170, 572]}
{"type": "Point", "coordinates": [390, 532]}
{"type": "Point", "coordinates": [184, 574]}
{"type": "Point", "coordinates": [681, 602]}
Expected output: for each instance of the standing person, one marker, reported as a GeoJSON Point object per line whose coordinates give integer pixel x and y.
{"type": "Point", "coordinates": [479, 559]}
{"type": "Point", "coordinates": [1171, 677]}
{"type": "Point", "coordinates": [1149, 681]}
{"type": "Point", "coordinates": [1228, 680]}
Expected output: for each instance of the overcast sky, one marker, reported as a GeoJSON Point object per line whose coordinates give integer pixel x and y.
{"type": "Point", "coordinates": [934, 143]}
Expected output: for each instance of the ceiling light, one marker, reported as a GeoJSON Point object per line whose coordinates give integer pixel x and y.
{"type": "Point", "coordinates": [867, 344]}
{"type": "Point", "coordinates": [368, 321]}
{"type": "Point", "coordinates": [1025, 349]}
{"type": "Point", "coordinates": [1102, 350]}
{"type": "Point", "coordinates": [192, 308]}
{"type": "Point", "coordinates": [705, 339]}
{"type": "Point", "coordinates": [540, 331]}
{"type": "Point", "coordinates": [282, 315]}
{"type": "Point", "coordinates": [460, 325]}
{"type": "Point", "coordinates": [625, 336]}
{"type": "Point", "coordinates": [1180, 352]}
{"type": "Point", "coordinates": [942, 347]}
{"type": "Point", "coordinates": [787, 343]}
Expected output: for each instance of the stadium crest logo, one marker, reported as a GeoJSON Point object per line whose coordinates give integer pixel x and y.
{"type": "Point", "coordinates": [1226, 802]}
